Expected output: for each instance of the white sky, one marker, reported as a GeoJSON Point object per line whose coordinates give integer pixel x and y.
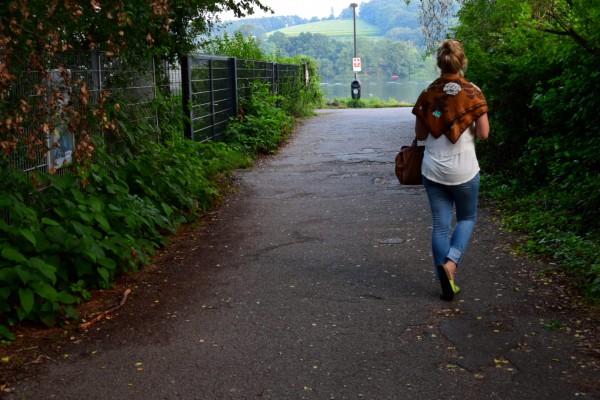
{"type": "Point", "coordinates": [305, 8]}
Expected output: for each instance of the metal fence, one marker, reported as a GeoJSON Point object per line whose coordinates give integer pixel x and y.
{"type": "Point", "coordinates": [209, 88]}
{"type": "Point", "coordinates": [213, 86]}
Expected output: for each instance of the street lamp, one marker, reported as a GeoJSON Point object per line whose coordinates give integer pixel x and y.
{"type": "Point", "coordinates": [354, 5]}
{"type": "Point", "coordinates": [355, 85]}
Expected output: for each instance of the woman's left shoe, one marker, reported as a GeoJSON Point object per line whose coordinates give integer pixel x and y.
{"type": "Point", "coordinates": [446, 283]}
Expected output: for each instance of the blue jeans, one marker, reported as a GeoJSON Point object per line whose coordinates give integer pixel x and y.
{"type": "Point", "coordinates": [442, 199]}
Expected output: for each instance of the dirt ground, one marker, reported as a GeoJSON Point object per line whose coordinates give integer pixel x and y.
{"type": "Point", "coordinates": [37, 344]}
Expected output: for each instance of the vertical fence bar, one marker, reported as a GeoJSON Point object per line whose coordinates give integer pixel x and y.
{"type": "Point", "coordinates": [306, 75]}
{"type": "Point", "coordinates": [186, 100]}
{"type": "Point", "coordinates": [96, 71]}
{"type": "Point", "coordinates": [276, 75]}
{"type": "Point", "coordinates": [155, 96]}
{"type": "Point", "coordinates": [211, 82]}
{"type": "Point", "coordinates": [234, 86]}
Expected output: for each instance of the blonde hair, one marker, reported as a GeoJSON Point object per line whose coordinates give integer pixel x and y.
{"type": "Point", "coordinates": [451, 57]}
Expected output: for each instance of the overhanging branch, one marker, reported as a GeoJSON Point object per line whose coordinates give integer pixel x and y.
{"type": "Point", "coordinates": [569, 32]}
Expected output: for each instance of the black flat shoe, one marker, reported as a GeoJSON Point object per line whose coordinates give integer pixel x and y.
{"type": "Point", "coordinates": [447, 291]}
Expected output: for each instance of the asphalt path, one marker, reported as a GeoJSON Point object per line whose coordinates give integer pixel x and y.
{"type": "Point", "coordinates": [315, 281]}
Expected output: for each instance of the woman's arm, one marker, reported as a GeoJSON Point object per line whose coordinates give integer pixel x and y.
{"type": "Point", "coordinates": [482, 127]}
{"type": "Point", "coordinates": [420, 130]}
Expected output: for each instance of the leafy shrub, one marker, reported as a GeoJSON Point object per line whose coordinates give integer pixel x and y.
{"type": "Point", "coordinates": [263, 125]}
{"type": "Point", "coordinates": [542, 154]}
{"type": "Point", "coordinates": [76, 235]}
{"type": "Point", "coordinates": [300, 99]}
{"type": "Point", "coordinates": [356, 103]}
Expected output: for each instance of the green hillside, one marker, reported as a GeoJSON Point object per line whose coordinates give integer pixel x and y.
{"type": "Point", "coordinates": [338, 28]}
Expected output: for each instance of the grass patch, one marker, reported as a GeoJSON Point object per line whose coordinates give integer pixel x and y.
{"type": "Point", "coordinates": [342, 28]}
{"type": "Point", "coordinates": [551, 227]}
{"type": "Point", "coordinates": [371, 102]}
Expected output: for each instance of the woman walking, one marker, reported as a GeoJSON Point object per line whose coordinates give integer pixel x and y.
{"type": "Point", "coordinates": [450, 113]}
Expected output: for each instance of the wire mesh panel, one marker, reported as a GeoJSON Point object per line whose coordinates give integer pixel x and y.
{"type": "Point", "coordinates": [134, 86]}
{"type": "Point", "coordinates": [58, 92]}
{"type": "Point", "coordinates": [211, 96]}
{"type": "Point", "coordinates": [205, 89]}
{"type": "Point", "coordinates": [288, 75]}
{"type": "Point", "coordinates": [250, 71]}
{"type": "Point", "coordinates": [65, 95]}
{"type": "Point", "coordinates": [169, 79]}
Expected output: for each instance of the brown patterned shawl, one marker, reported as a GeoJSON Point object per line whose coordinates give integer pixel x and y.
{"type": "Point", "coordinates": [449, 106]}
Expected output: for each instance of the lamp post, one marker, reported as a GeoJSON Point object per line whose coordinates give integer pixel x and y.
{"type": "Point", "coordinates": [354, 5]}
{"type": "Point", "coordinates": [355, 85]}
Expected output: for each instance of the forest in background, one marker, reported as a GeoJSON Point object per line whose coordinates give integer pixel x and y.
{"type": "Point", "coordinates": [396, 20]}
{"type": "Point", "coordinates": [398, 51]}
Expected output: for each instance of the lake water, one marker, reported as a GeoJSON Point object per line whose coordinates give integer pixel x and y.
{"type": "Point", "coordinates": [402, 90]}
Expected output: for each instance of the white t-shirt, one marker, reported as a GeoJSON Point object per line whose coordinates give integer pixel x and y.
{"type": "Point", "coordinates": [450, 164]}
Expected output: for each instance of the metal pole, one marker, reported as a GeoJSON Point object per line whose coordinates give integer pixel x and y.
{"type": "Point", "coordinates": [354, 5]}
{"type": "Point", "coordinates": [186, 88]}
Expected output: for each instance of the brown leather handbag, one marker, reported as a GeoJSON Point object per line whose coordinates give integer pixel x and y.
{"type": "Point", "coordinates": [408, 164]}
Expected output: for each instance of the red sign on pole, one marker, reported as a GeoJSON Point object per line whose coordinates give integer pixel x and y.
{"type": "Point", "coordinates": [356, 65]}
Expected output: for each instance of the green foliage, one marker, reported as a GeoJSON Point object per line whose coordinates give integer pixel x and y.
{"type": "Point", "coordinates": [35, 34]}
{"type": "Point", "coordinates": [538, 66]}
{"type": "Point", "coordinates": [133, 183]}
{"type": "Point", "coordinates": [356, 103]}
{"type": "Point", "coordinates": [296, 98]}
{"type": "Point", "coordinates": [111, 214]}
{"type": "Point", "coordinates": [260, 26]}
{"type": "Point", "coordinates": [552, 225]}
{"type": "Point", "coordinates": [391, 14]}
{"type": "Point", "coordinates": [392, 18]}
{"type": "Point", "coordinates": [371, 102]}
{"type": "Point", "coordinates": [380, 57]}
{"type": "Point", "coordinates": [299, 99]}
{"type": "Point", "coordinates": [263, 125]}
{"type": "Point", "coordinates": [341, 28]}
{"type": "Point", "coordinates": [59, 243]}
{"type": "Point", "coordinates": [237, 46]}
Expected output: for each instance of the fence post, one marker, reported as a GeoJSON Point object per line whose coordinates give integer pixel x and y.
{"type": "Point", "coordinates": [306, 75]}
{"type": "Point", "coordinates": [155, 97]}
{"type": "Point", "coordinates": [211, 82]}
{"type": "Point", "coordinates": [186, 100]}
{"type": "Point", "coordinates": [276, 83]}
{"type": "Point", "coordinates": [96, 73]}
{"type": "Point", "coordinates": [234, 86]}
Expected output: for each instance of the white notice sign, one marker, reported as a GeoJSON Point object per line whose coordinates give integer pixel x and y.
{"type": "Point", "coordinates": [356, 65]}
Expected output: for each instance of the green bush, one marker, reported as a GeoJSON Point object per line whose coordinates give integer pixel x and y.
{"type": "Point", "coordinates": [541, 160]}
{"type": "Point", "coordinates": [63, 235]}
{"type": "Point", "coordinates": [263, 125]}
{"type": "Point", "coordinates": [78, 234]}
{"type": "Point", "coordinates": [299, 99]}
